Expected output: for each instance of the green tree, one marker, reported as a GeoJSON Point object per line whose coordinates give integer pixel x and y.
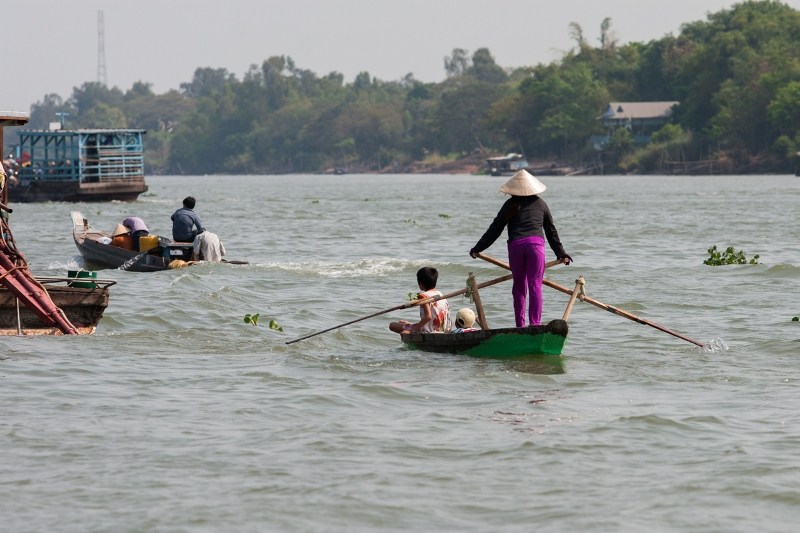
{"type": "Point", "coordinates": [559, 110]}
{"type": "Point", "coordinates": [103, 116]}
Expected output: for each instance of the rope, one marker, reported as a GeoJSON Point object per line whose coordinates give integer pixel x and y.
{"type": "Point", "coordinates": [468, 295]}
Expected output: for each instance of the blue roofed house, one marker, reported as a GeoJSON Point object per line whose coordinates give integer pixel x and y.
{"type": "Point", "coordinates": [642, 119]}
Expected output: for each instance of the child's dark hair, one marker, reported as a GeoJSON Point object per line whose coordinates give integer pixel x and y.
{"type": "Point", "coordinates": [427, 277]}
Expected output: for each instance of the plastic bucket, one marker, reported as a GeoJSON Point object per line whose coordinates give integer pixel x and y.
{"type": "Point", "coordinates": [148, 242]}
{"type": "Point", "coordinates": [82, 274]}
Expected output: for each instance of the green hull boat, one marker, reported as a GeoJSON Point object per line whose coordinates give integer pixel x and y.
{"type": "Point", "coordinates": [503, 343]}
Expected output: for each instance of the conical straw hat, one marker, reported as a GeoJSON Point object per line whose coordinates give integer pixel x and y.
{"type": "Point", "coordinates": [119, 230]}
{"type": "Point", "coordinates": [522, 184]}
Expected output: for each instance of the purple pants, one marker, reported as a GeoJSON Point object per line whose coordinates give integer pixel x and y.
{"type": "Point", "coordinates": [526, 258]}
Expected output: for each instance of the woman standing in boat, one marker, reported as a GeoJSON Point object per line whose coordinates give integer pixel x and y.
{"type": "Point", "coordinates": [529, 221]}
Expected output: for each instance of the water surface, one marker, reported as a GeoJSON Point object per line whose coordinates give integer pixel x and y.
{"type": "Point", "coordinates": [178, 416]}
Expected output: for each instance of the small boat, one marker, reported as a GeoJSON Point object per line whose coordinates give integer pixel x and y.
{"type": "Point", "coordinates": [95, 248]}
{"type": "Point", "coordinates": [83, 165]}
{"type": "Point", "coordinates": [507, 165]}
{"type": "Point", "coordinates": [82, 303]}
{"type": "Point", "coordinates": [501, 343]}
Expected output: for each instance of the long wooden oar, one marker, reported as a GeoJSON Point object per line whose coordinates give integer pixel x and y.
{"type": "Point", "coordinates": [406, 305]}
{"type": "Point", "coordinates": [601, 305]}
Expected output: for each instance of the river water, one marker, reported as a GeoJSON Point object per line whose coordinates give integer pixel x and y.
{"type": "Point", "coordinates": [179, 416]}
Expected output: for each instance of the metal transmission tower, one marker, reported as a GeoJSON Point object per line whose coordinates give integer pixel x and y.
{"type": "Point", "coordinates": [102, 76]}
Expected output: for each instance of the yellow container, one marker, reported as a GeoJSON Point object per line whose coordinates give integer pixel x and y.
{"type": "Point", "coordinates": [148, 242]}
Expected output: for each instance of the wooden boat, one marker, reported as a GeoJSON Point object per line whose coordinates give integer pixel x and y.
{"type": "Point", "coordinates": [84, 165]}
{"type": "Point", "coordinates": [83, 306]}
{"type": "Point", "coordinates": [94, 246]}
{"type": "Point", "coordinates": [27, 306]}
{"type": "Point", "coordinates": [501, 343]}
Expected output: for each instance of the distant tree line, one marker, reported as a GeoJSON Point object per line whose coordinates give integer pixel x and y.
{"type": "Point", "coordinates": [736, 76]}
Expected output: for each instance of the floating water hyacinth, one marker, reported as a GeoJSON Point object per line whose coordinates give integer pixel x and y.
{"type": "Point", "coordinates": [251, 319]}
{"type": "Point", "coordinates": [729, 257]}
{"type": "Point", "coordinates": [274, 325]}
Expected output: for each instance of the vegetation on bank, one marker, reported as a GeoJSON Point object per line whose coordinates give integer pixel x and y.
{"type": "Point", "coordinates": [736, 76]}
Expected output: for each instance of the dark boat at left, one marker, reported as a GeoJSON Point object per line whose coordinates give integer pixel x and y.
{"type": "Point", "coordinates": [41, 306]}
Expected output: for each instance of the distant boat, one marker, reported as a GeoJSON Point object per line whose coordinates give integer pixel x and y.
{"type": "Point", "coordinates": [512, 163]}
{"type": "Point", "coordinates": [83, 165]}
{"type": "Point", "coordinates": [506, 165]}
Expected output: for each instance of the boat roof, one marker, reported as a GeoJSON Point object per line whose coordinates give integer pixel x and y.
{"type": "Point", "coordinates": [85, 131]}
{"type": "Point", "coordinates": [507, 157]}
{"type": "Point", "coordinates": [13, 118]}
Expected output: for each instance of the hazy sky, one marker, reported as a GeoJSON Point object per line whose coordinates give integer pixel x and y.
{"type": "Point", "coordinates": [51, 46]}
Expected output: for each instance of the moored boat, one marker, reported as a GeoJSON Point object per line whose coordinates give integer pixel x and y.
{"type": "Point", "coordinates": [27, 306]}
{"type": "Point", "coordinates": [506, 165]}
{"type": "Point", "coordinates": [82, 305]}
{"type": "Point", "coordinates": [500, 343]}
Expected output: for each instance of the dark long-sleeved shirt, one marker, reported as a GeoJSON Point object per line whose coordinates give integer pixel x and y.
{"type": "Point", "coordinates": [525, 216]}
{"type": "Point", "coordinates": [182, 222]}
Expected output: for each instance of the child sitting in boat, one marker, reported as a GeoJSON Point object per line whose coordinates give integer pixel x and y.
{"type": "Point", "coordinates": [465, 320]}
{"type": "Point", "coordinates": [434, 317]}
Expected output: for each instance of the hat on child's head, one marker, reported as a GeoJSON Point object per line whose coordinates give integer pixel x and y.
{"type": "Point", "coordinates": [120, 230]}
{"type": "Point", "coordinates": [523, 184]}
{"type": "Point", "coordinates": [465, 318]}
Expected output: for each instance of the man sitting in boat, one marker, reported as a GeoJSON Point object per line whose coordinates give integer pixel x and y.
{"type": "Point", "coordinates": [186, 224]}
{"type": "Point", "coordinates": [137, 228]}
{"type": "Point", "coordinates": [434, 317]}
{"type": "Point", "coordinates": [208, 247]}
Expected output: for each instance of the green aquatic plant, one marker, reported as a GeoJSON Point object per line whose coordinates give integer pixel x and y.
{"type": "Point", "coordinates": [729, 257]}
{"type": "Point", "coordinates": [444, 215]}
{"type": "Point", "coordinates": [796, 319]}
{"type": "Point", "coordinates": [253, 319]}
{"type": "Point", "coordinates": [412, 296]}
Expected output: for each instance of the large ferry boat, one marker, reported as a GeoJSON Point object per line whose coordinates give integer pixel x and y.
{"type": "Point", "coordinates": [82, 165]}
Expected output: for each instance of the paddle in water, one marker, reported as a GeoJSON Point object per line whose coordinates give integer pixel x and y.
{"type": "Point", "coordinates": [601, 305]}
